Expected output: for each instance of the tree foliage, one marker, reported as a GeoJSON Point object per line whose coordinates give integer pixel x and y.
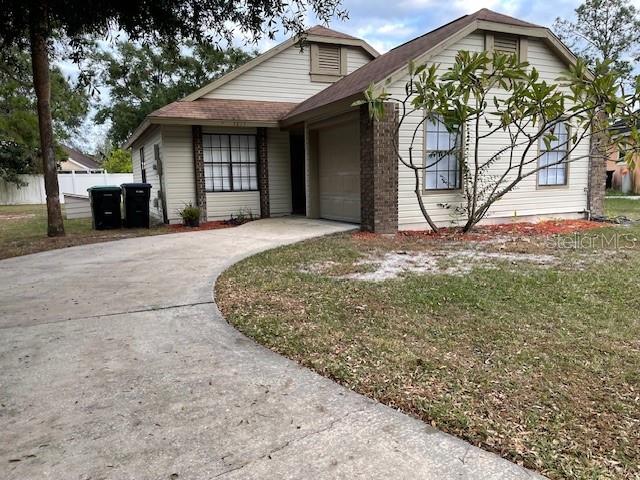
{"type": "Point", "coordinates": [605, 30]}
{"type": "Point", "coordinates": [19, 137]}
{"type": "Point", "coordinates": [118, 161]}
{"type": "Point", "coordinates": [34, 23]}
{"type": "Point", "coordinates": [141, 78]}
{"type": "Point", "coordinates": [505, 117]}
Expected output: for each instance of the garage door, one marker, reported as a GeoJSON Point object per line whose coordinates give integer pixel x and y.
{"type": "Point", "coordinates": [339, 172]}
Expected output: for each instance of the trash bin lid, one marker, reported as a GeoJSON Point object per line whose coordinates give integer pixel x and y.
{"type": "Point", "coordinates": [104, 188]}
{"type": "Point", "coordinates": [136, 185]}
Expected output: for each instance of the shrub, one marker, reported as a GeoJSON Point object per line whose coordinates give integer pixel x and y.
{"type": "Point", "coordinates": [190, 215]}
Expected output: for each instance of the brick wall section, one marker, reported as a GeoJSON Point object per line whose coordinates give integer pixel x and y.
{"type": "Point", "coordinates": [263, 173]}
{"type": "Point", "coordinates": [598, 171]}
{"type": "Point", "coordinates": [198, 165]}
{"type": "Point", "coordinates": [378, 171]}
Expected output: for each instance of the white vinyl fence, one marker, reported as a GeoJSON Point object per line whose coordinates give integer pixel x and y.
{"type": "Point", "coordinates": [74, 183]}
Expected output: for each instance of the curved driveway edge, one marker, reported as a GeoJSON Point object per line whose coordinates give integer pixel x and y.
{"type": "Point", "coordinates": [116, 364]}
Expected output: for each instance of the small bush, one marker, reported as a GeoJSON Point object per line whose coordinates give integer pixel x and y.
{"type": "Point", "coordinates": [243, 216]}
{"type": "Point", "coordinates": [190, 215]}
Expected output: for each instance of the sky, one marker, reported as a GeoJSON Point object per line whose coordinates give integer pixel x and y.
{"type": "Point", "coordinates": [388, 23]}
{"type": "Point", "coordinates": [385, 24]}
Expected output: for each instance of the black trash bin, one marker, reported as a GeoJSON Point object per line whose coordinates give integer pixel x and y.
{"type": "Point", "coordinates": [136, 204]}
{"type": "Point", "coordinates": [105, 207]}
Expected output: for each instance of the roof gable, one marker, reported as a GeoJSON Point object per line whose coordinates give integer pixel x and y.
{"type": "Point", "coordinates": [393, 64]}
{"type": "Point", "coordinates": [317, 33]}
{"type": "Point", "coordinates": [81, 159]}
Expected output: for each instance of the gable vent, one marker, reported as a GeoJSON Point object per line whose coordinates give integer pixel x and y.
{"type": "Point", "coordinates": [329, 58]}
{"type": "Point", "coordinates": [506, 44]}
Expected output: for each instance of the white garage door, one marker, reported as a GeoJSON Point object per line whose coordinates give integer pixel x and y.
{"type": "Point", "coordinates": [339, 172]}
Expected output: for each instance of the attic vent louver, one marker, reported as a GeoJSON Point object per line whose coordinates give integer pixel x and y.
{"type": "Point", "coordinates": [328, 62]}
{"type": "Point", "coordinates": [506, 44]}
{"type": "Point", "coordinates": [329, 59]}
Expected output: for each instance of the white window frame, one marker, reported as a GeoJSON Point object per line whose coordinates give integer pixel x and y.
{"type": "Point", "coordinates": [544, 174]}
{"type": "Point", "coordinates": [429, 159]}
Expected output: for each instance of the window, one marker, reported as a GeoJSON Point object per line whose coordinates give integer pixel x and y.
{"type": "Point", "coordinates": [555, 157]}
{"type": "Point", "coordinates": [442, 156]}
{"type": "Point", "coordinates": [143, 170]}
{"type": "Point", "coordinates": [230, 163]}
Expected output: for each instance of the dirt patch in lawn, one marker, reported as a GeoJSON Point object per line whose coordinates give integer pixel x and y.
{"type": "Point", "coordinates": [16, 216]}
{"type": "Point", "coordinates": [390, 265]}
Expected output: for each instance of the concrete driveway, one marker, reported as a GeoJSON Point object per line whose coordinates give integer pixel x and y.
{"type": "Point", "coordinates": [116, 364]}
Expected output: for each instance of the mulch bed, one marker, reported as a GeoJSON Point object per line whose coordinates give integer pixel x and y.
{"type": "Point", "coordinates": [203, 226]}
{"type": "Point", "coordinates": [487, 232]}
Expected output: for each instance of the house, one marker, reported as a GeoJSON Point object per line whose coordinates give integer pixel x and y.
{"type": "Point", "coordinates": [78, 162]}
{"type": "Point", "coordinates": [280, 135]}
{"type": "Point", "coordinates": [619, 175]}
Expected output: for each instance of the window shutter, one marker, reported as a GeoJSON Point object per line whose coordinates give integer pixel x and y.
{"type": "Point", "coordinates": [329, 59]}
{"type": "Point", "coordinates": [506, 44]}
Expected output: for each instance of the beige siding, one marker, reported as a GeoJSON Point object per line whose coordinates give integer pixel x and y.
{"type": "Point", "coordinates": [279, 171]}
{"type": "Point", "coordinates": [527, 199]}
{"type": "Point", "coordinates": [222, 205]}
{"type": "Point", "coordinates": [151, 138]}
{"type": "Point", "coordinates": [283, 78]}
{"type": "Point", "coordinates": [356, 57]}
{"type": "Point", "coordinates": [177, 157]}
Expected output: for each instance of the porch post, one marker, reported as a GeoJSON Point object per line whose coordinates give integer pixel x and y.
{"type": "Point", "coordinates": [198, 167]}
{"type": "Point", "coordinates": [263, 173]}
{"type": "Point", "coordinates": [378, 171]}
{"type": "Point", "coordinates": [312, 190]}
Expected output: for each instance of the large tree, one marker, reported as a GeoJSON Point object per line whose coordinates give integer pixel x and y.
{"type": "Point", "coordinates": [603, 30]}
{"type": "Point", "coordinates": [141, 78]}
{"type": "Point", "coordinates": [34, 23]}
{"type": "Point", "coordinates": [19, 137]}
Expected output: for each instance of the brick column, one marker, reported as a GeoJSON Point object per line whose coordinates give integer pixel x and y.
{"type": "Point", "coordinates": [598, 168]}
{"type": "Point", "coordinates": [198, 167]}
{"type": "Point", "coordinates": [378, 171]}
{"type": "Point", "coordinates": [263, 173]}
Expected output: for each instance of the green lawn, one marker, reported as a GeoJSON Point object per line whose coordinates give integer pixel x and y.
{"type": "Point", "coordinates": [523, 346]}
{"type": "Point", "coordinates": [23, 230]}
{"type": "Point", "coordinates": [621, 206]}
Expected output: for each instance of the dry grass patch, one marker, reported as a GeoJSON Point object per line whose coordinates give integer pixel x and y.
{"type": "Point", "coordinates": [23, 230]}
{"type": "Point", "coordinates": [539, 363]}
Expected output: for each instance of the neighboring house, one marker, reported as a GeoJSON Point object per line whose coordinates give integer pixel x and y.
{"type": "Point", "coordinates": [619, 175]}
{"type": "Point", "coordinates": [279, 135]}
{"type": "Point", "coordinates": [78, 162]}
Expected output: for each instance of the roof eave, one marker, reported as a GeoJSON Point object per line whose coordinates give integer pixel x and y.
{"type": "Point", "coordinates": [353, 42]}
{"type": "Point", "coordinates": [323, 111]}
{"type": "Point", "coordinates": [158, 120]}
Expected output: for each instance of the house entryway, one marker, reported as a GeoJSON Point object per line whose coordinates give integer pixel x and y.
{"type": "Point", "coordinates": [298, 194]}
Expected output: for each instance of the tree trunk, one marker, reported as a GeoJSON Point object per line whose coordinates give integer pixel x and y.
{"type": "Point", "coordinates": [42, 86]}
